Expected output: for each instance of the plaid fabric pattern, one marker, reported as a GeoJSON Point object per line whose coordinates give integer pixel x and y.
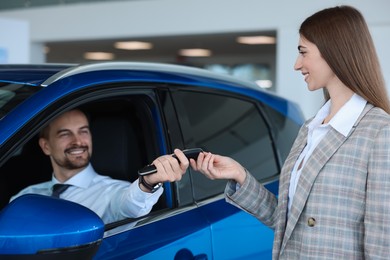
{"type": "Point", "coordinates": [341, 209]}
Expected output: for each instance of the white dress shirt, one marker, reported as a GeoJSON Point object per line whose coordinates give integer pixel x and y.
{"type": "Point", "coordinates": [342, 122]}
{"type": "Point", "coordinates": [111, 199]}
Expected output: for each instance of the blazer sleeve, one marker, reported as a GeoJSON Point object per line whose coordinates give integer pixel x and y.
{"type": "Point", "coordinates": [377, 206]}
{"type": "Point", "coordinates": [253, 198]}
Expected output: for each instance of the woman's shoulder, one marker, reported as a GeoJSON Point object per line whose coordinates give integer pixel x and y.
{"type": "Point", "coordinates": [378, 113]}
{"type": "Point", "coordinates": [376, 117]}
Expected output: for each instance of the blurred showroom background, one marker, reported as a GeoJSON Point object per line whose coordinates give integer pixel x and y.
{"type": "Point", "coordinates": [253, 39]}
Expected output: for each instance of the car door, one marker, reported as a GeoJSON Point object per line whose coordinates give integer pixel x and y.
{"type": "Point", "coordinates": [179, 229]}
{"type": "Point", "coordinates": [230, 125]}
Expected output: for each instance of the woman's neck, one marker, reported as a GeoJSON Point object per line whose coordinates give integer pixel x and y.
{"type": "Point", "coordinates": [339, 96]}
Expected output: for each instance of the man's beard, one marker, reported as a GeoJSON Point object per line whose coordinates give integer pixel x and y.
{"type": "Point", "coordinates": [76, 163]}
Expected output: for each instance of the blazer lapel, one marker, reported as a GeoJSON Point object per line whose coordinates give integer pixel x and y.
{"type": "Point", "coordinates": [321, 154]}
{"type": "Point", "coordinates": [328, 146]}
{"type": "Point", "coordinates": [296, 150]}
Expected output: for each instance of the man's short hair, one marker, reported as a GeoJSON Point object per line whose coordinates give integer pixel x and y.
{"type": "Point", "coordinates": [44, 133]}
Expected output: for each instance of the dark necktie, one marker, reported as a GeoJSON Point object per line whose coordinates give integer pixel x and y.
{"type": "Point", "coordinates": [58, 189]}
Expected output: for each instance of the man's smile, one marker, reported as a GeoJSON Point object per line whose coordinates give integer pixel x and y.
{"type": "Point", "coordinates": [76, 150]}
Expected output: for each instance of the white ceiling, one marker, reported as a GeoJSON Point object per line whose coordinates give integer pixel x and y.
{"type": "Point", "coordinates": [165, 49]}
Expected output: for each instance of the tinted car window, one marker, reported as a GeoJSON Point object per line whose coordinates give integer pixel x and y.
{"type": "Point", "coordinates": [284, 131]}
{"type": "Point", "coordinates": [12, 94]}
{"type": "Point", "coordinates": [228, 126]}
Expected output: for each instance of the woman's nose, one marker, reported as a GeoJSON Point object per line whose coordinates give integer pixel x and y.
{"type": "Point", "coordinates": [298, 64]}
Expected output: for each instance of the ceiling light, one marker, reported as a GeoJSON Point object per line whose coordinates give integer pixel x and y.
{"type": "Point", "coordinates": [256, 40]}
{"type": "Point", "coordinates": [98, 55]}
{"type": "Point", "coordinates": [195, 52]}
{"type": "Point", "coordinates": [133, 45]}
{"type": "Point", "coordinates": [264, 83]}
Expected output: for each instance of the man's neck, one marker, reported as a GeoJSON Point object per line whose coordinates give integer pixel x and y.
{"type": "Point", "coordinates": [62, 175]}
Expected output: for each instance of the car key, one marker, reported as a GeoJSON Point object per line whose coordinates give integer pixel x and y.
{"type": "Point", "coordinates": [191, 153]}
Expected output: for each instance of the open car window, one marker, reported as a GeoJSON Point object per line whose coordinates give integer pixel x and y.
{"type": "Point", "coordinates": [124, 140]}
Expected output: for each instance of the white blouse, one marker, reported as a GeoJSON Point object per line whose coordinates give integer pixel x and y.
{"type": "Point", "coordinates": [342, 122]}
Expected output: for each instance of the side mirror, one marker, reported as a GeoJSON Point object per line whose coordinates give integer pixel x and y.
{"type": "Point", "coordinates": [42, 227]}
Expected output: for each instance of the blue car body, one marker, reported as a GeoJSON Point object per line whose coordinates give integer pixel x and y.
{"type": "Point", "coordinates": [194, 221]}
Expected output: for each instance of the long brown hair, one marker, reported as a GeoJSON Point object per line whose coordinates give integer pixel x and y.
{"type": "Point", "coordinates": [344, 41]}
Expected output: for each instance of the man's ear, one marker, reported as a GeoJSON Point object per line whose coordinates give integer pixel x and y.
{"type": "Point", "coordinates": [44, 145]}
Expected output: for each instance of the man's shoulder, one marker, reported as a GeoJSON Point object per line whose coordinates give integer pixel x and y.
{"type": "Point", "coordinates": [39, 188]}
{"type": "Point", "coordinates": [42, 185]}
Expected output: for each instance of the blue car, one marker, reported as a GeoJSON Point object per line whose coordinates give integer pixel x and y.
{"type": "Point", "coordinates": [137, 112]}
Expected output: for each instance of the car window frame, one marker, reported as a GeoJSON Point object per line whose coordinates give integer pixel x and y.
{"type": "Point", "coordinates": [257, 105]}
{"type": "Point", "coordinates": [76, 99]}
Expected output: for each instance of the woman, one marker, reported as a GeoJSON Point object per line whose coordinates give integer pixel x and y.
{"type": "Point", "coordinates": [334, 191]}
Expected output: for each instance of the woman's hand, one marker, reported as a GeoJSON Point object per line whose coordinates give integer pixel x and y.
{"type": "Point", "coordinates": [215, 166]}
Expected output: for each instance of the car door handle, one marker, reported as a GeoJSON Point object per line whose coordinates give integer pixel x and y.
{"type": "Point", "coordinates": [186, 254]}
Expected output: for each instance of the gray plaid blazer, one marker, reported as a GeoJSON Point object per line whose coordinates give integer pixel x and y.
{"type": "Point", "coordinates": [341, 208]}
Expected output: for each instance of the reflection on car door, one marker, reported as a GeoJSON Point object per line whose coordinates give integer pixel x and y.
{"type": "Point", "coordinates": [166, 236]}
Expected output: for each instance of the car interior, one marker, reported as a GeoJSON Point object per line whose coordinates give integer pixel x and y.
{"type": "Point", "coordinates": [123, 142]}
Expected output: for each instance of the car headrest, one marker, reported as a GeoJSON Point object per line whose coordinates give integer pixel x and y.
{"type": "Point", "coordinates": [115, 148]}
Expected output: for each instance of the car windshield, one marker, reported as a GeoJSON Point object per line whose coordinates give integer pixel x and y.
{"type": "Point", "coordinates": [12, 94]}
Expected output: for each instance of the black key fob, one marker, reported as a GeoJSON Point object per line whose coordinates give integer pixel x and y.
{"type": "Point", "coordinates": [192, 153]}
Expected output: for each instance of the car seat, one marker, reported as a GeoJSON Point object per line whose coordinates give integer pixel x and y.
{"type": "Point", "coordinates": [116, 148]}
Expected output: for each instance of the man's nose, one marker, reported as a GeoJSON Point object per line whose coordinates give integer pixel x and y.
{"type": "Point", "coordinates": [76, 139]}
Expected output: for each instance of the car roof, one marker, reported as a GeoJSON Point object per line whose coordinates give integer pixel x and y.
{"type": "Point", "coordinates": [29, 74]}
{"type": "Point", "coordinates": [58, 80]}
{"type": "Point", "coordinates": [146, 66]}
{"type": "Point", "coordinates": [46, 74]}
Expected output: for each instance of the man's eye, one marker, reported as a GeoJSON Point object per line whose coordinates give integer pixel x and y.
{"type": "Point", "coordinates": [85, 132]}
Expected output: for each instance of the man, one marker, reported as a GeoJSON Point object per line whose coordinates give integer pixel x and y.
{"type": "Point", "coordinates": [67, 141]}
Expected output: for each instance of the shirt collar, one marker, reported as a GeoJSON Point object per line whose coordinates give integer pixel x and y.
{"type": "Point", "coordinates": [81, 179]}
{"type": "Point", "coordinates": [320, 116]}
{"type": "Point", "coordinates": [345, 118]}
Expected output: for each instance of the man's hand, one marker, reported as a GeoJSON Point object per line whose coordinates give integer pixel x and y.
{"type": "Point", "coordinates": [168, 169]}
